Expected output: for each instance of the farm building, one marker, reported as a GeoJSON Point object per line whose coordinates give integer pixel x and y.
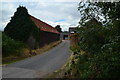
{"type": "Point", "coordinates": [48, 33]}
{"type": "Point", "coordinates": [30, 30]}
{"type": "Point", "coordinates": [73, 36]}
{"type": "Point", "coordinates": [64, 35]}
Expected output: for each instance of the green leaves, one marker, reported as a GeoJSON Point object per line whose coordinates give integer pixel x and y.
{"type": "Point", "coordinates": [21, 27]}
{"type": "Point", "coordinates": [101, 43]}
{"type": "Point", "coordinates": [58, 28]}
{"type": "Point", "coordinates": [10, 46]}
{"type": "Point", "coordinates": [105, 12]}
{"type": "Point", "coordinates": [91, 36]}
{"type": "Point", "coordinates": [111, 9]}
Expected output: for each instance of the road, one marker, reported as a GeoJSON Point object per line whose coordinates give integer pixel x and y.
{"type": "Point", "coordinates": [40, 65]}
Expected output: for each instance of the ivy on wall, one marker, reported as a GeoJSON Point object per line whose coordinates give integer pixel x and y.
{"type": "Point", "coordinates": [21, 27]}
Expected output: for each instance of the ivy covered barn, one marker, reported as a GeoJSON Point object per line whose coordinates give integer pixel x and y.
{"type": "Point", "coordinates": [30, 30]}
{"type": "Point", "coordinates": [48, 33]}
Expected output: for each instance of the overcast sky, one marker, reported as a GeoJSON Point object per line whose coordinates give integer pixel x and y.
{"type": "Point", "coordinates": [65, 14]}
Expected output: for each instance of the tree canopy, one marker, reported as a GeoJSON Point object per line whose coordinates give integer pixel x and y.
{"type": "Point", "coordinates": [105, 12]}
{"type": "Point", "coordinates": [58, 28]}
{"type": "Point", "coordinates": [21, 26]}
{"type": "Point", "coordinates": [97, 53]}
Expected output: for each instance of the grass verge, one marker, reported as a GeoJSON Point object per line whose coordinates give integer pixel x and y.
{"type": "Point", "coordinates": [25, 53]}
{"type": "Point", "coordinates": [68, 67]}
{"type": "Point", "coordinates": [61, 72]}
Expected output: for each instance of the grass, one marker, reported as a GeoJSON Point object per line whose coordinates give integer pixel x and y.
{"type": "Point", "coordinates": [25, 53]}
{"type": "Point", "coordinates": [58, 73]}
{"type": "Point", "coordinates": [90, 66]}
{"type": "Point", "coordinates": [66, 69]}
{"type": "Point", "coordinates": [47, 47]}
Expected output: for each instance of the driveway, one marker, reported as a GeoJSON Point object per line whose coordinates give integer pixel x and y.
{"type": "Point", "coordinates": [40, 65]}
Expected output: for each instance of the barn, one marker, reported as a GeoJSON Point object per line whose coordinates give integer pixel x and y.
{"type": "Point", "coordinates": [30, 30]}
{"type": "Point", "coordinates": [48, 34]}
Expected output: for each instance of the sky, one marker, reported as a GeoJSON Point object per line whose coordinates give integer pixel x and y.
{"type": "Point", "coordinates": [61, 13]}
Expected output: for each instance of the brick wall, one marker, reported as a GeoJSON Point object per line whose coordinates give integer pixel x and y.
{"type": "Point", "coordinates": [45, 38]}
{"type": "Point", "coordinates": [48, 37]}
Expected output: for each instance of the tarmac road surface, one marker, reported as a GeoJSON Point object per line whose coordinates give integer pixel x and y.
{"type": "Point", "coordinates": [40, 65]}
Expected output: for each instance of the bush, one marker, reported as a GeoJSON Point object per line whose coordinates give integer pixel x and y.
{"type": "Point", "coordinates": [102, 65]}
{"type": "Point", "coordinates": [102, 52]}
{"type": "Point", "coordinates": [92, 37]}
{"type": "Point", "coordinates": [10, 46]}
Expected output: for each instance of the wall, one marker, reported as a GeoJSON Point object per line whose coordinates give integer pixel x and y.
{"type": "Point", "coordinates": [74, 39]}
{"type": "Point", "coordinates": [45, 38]}
{"type": "Point", "coordinates": [31, 42]}
{"type": "Point", "coordinates": [63, 34]}
{"type": "Point", "coordinates": [48, 37]}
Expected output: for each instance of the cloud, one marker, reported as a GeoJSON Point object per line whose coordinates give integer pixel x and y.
{"type": "Point", "coordinates": [59, 0]}
{"type": "Point", "coordinates": [42, 0]}
{"type": "Point", "coordinates": [6, 12]}
{"type": "Point", "coordinates": [64, 14]}
{"type": "Point", "coordinates": [62, 20]}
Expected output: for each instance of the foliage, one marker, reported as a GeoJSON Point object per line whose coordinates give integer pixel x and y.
{"type": "Point", "coordinates": [105, 43]}
{"type": "Point", "coordinates": [110, 9]}
{"type": "Point", "coordinates": [88, 11]}
{"type": "Point", "coordinates": [0, 43]}
{"type": "Point", "coordinates": [92, 37]}
{"type": "Point", "coordinates": [103, 65]}
{"type": "Point", "coordinates": [104, 12]}
{"type": "Point", "coordinates": [100, 43]}
{"type": "Point", "coordinates": [11, 47]}
{"type": "Point", "coordinates": [21, 26]}
{"type": "Point", "coordinates": [58, 28]}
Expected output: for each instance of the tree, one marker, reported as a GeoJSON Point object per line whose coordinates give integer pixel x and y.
{"type": "Point", "coordinates": [91, 36]}
{"type": "Point", "coordinates": [21, 27]}
{"type": "Point", "coordinates": [101, 39]}
{"type": "Point", "coordinates": [105, 12]}
{"type": "Point", "coordinates": [110, 9]}
{"type": "Point", "coordinates": [58, 28]}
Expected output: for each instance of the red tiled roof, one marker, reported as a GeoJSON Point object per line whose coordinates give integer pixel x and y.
{"type": "Point", "coordinates": [43, 26]}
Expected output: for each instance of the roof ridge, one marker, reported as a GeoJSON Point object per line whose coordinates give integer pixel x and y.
{"type": "Point", "coordinates": [42, 21]}
{"type": "Point", "coordinates": [49, 26]}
